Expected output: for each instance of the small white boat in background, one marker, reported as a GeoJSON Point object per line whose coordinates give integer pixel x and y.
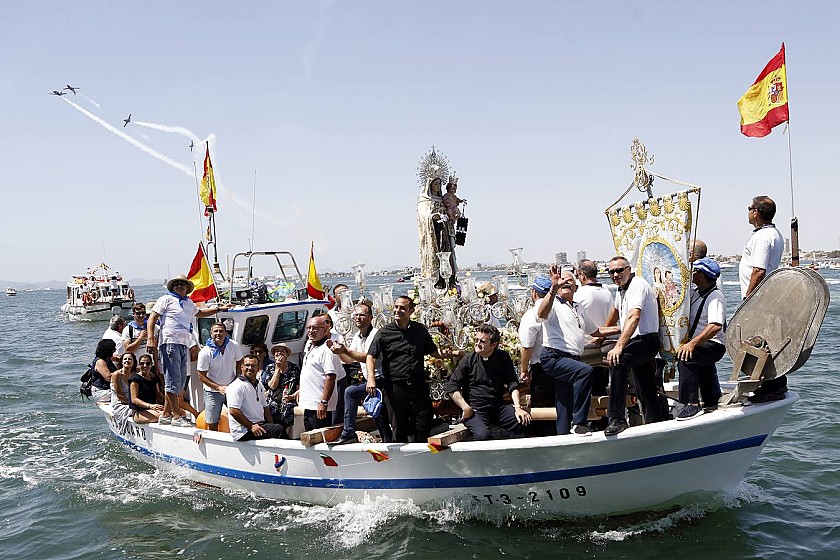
{"type": "Point", "coordinates": [98, 296]}
{"type": "Point", "coordinates": [11, 291]}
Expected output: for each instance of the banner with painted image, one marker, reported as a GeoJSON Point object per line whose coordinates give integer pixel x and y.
{"type": "Point", "coordinates": [653, 235]}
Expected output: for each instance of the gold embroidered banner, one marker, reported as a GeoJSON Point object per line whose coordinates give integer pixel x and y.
{"type": "Point", "coordinates": [654, 235]}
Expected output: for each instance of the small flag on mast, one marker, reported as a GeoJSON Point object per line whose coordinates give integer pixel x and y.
{"type": "Point", "coordinates": [202, 278]}
{"type": "Point", "coordinates": [765, 104]}
{"type": "Point", "coordinates": [208, 185]}
{"type": "Point", "coordinates": [313, 283]}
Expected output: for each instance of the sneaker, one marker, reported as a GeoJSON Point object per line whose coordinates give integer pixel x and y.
{"type": "Point", "coordinates": [690, 411]}
{"type": "Point", "coordinates": [182, 422]}
{"type": "Point", "coordinates": [615, 427]}
{"type": "Point", "coordinates": [165, 420]}
{"type": "Point", "coordinates": [581, 430]}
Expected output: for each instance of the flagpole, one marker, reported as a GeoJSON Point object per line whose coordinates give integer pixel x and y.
{"type": "Point", "coordinates": [794, 222]}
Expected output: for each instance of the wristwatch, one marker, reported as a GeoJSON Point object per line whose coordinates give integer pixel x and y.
{"type": "Point", "coordinates": [324, 402]}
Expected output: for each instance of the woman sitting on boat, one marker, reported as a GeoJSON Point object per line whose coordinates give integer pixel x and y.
{"type": "Point", "coordinates": [145, 392]}
{"type": "Point", "coordinates": [103, 367]}
{"type": "Point", "coordinates": [119, 389]}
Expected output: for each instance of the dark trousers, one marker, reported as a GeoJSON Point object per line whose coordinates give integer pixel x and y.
{"type": "Point", "coordinates": [700, 373]}
{"type": "Point", "coordinates": [572, 387]}
{"type": "Point", "coordinates": [353, 396]}
{"type": "Point", "coordinates": [502, 415]}
{"type": "Point", "coordinates": [312, 422]}
{"type": "Point", "coordinates": [637, 357]}
{"type": "Point", "coordinates": [412, 407]}
{"type": "Point", "coordinates": [542, 386]}
{"type": "Point", "coordinates": [271, 431]}
{"type": "Point", "coordinates": [338, 413]}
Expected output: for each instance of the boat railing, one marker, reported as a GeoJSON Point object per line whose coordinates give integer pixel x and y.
{"type": "Point", "coordinates": [241, 267]}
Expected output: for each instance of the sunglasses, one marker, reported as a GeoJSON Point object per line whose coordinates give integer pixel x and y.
{"type": "Point", "coordinates": [751, 208]}
{"type": "Point", "coordinates": [145, 363]}
{"type": "Point", "coordinates": [617, 270]}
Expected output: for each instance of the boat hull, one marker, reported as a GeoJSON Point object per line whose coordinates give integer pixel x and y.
{"type": "Point", "coordinates": [97, 312]}
{"type": "Point", "coordinates": [645, 467]}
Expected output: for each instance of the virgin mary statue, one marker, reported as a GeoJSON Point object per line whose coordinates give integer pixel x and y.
{"type": "Point", "coordinates": [433, 228]}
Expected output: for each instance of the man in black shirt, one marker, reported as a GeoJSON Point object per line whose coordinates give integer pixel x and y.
{"type": "Point", "coordinates": [478, 386]}
{"type": "Point", "coordinates": [402, 346]}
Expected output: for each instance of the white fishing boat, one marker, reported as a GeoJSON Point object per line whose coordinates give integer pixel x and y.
{"type": "Point", "coordinates": [11, 291]}
{"type": "Point", "coordinates": [98, 296]}
{"type": "Point", "coordinates": [645, 467]}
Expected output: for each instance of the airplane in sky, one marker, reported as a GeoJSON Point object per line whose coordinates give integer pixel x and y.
{"type": "Point", "coordinates": [56, 92]}
{"type": "Point", "coordinates": [192, 144]}
{"type": "Point", "coordinates": [71, 88]}
{"type": "Point", "coordinates": [126, 121]}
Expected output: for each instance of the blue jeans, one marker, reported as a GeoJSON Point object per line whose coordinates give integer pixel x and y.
{"type": "Point", "coordinates": [353, 396]}
{"type": "Point", "coordinates": [174, 361]}
{"type": "Point", "coordinates": [572, 387]}
{"type": "Point", "coordinates": [213, 401]}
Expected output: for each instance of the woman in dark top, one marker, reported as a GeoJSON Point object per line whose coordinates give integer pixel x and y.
{"type": "Point", "coordinates": [103, 367]}
{"type": "Point", "coordinates": [145, 393]}
{"type": "Point", "coordinates": [281, 385]}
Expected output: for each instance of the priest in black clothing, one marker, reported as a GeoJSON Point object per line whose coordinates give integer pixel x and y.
{"type": "Point", "coordinates": [478, 386]}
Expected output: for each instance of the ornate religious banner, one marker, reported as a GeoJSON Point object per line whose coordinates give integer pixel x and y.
{"type": "Point", "coordinates": [653, 235]}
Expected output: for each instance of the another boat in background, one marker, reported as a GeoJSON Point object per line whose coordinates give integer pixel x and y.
{"type": "Point", "coordinates": [98, 296]}
{"type": "Point", "coordinates": [11, 291]}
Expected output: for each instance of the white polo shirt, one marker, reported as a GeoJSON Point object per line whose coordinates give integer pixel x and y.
{"type": "Point", "coordinates": [638, 295]}
{"type": "Point", "coordinates": [222, 368]}
{"type": "Point", "coordinates": [361, 344]}
{"type": "Point", "coordinates": [318, 363]}
{"type": "Point", "coordinates": [764, 250]}
{"type": "Point", "coordinates": [530, 332]}
{"type": "Point", "coordinates": [250, 402]}
{"type": "Point", "coordinates": [175, 320]}
{"type": "Point", "coordinates": [566, 327]}
{"type": "Point", "coordinates": [714, 311]}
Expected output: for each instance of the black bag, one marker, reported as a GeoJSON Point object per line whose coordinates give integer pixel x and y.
{"type": "Point", "coordinates": [87, 381]}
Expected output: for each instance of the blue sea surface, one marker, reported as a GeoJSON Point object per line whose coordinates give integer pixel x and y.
{"type": "Point", "coordinates": [69, 490]}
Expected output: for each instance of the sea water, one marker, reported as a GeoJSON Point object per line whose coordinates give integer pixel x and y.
{"type": "Point", "coordinates": [69, 490]}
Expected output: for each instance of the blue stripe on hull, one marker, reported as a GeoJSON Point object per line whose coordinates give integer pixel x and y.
{"type": "Point", "coordinates": [458, 482]}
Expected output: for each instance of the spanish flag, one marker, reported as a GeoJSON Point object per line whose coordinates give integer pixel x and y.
{"type": "Point", "coordinates": [313, 284]}
{"type": "Point", "coordinates": [765, 104]}
{"type": "Point", "coordinates": [202, 278]}
{"type": "Point", "coordinates": [208, 185]}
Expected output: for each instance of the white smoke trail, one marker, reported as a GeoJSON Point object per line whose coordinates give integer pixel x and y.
{"type": "Point", "coordinates": [130, 140]}
{"type": "Point", "coordinates": [94, 103]}
{"type": "Point", "coordinates": [245, 205]}
{"type": "Point", "coordinates": [174, 129]}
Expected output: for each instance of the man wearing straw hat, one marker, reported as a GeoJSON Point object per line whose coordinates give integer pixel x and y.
{"type": "Point", "coordinates": [175, 311]}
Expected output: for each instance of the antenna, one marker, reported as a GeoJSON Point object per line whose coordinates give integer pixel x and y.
{"type": "Point", "coordinates": [253, 210]}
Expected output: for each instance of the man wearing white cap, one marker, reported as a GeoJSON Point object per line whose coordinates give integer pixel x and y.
{"type": "Point", "coordinates": [175, 311]}
{"type": "Point", "coordinates": [706, 344]}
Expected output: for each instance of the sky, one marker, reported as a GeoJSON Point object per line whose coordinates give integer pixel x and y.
{"type": "Point", "coordinates": [318, 114]}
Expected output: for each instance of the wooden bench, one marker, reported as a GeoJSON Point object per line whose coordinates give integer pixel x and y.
{"type": "Point", "coordinates": [332, 433]}
{"type": "Point", "coordinates": [458, 433]}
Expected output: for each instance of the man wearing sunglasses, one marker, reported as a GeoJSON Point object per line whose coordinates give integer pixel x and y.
{"type": "Point", "coordinates": [637, 314]}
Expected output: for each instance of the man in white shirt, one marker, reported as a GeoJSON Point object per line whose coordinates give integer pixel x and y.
{"type": "Point", "coordinates": [318, 373]}
{"type": "Point", "coordinates": [565, 326]}
{"type": "Point", "coordinates": [175, 311]}
{"type": "Point", "coordinates": [357, 390]}
{"type": "Point", "coordinates": [218, 363]}
{"type": "Point", "coordinates": [530, 368]}
{"type": "Point", "coordinates": [249, 415]}
{"type": "Point", "coordinates": [706, 344]}
{"type": "Point", "coordinates": [114, 332]}
{"type": "Point", "coordinates": [762, 255]}
{"type": "Point", "coordinates": [597, 300]}
{"type": "Point", "coordinates": [637, 314]}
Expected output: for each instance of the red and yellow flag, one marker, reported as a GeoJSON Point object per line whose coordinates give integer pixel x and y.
{"type": "Point", "coordinates": [202, 278]}
{"type": "Point", "coordinates": [208, 186]}
{"type": "Point", "coordinates": [765, 104]}
{"type": "Point", "coordinates": [313, 283]}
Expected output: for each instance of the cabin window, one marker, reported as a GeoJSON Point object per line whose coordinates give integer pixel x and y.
{"type": "Point", "coordinates": [290, 326]}
{"type": "Point", "coordinates": [255, 329]}
{"type": "Point", "coordinates": [204, 324]}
